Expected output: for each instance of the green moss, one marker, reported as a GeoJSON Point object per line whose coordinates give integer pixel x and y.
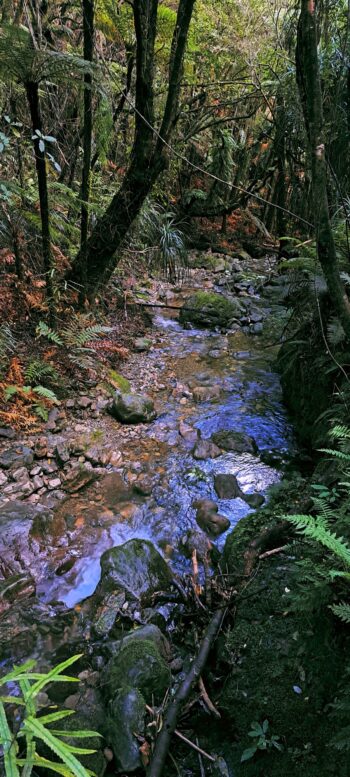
{"type": "Point", "coordinates": [209, 309]}
{"type": "Point", "coordinates": [139, 665]}
{"type": "Point", "coordinates": [118, 381]}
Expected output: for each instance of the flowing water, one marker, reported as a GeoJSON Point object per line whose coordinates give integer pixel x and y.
{"type": "Point", "coordinates": [249, 401]}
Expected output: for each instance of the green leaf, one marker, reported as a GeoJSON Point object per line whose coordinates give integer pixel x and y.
{"type": "Point", "coordinates": [44, 763]}
{"type": "Point", "coordinates": [12, 700]}
{"type": "Point", "coordinates": [61, 749]}
{"type": "Point", "coordinates": [76, 734]}
{"type": "Point", "coordinates": [52, 676]}
{"type": "Point", "coordinates": [248, 754]}
{"type": "Point", "coordinates": [9, 745]}
{"type": "Point", "coordinates": [53, 716]}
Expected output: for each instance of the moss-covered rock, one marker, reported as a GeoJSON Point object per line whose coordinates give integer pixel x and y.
{"type": "Point", "coordinates": [132, 408]}
{"type": "Point", "coordinates": [135, 567]}
{"type": "Point", "coordinates": [210, 310]}
{"type": "Point", "coordinates": [138, 665]}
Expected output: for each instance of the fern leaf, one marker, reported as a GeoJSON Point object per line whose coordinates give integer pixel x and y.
{"type": "Point", "coordinates": [52, 717]}
{"type": "Point", "coordinates": [46, 394]}
{"type": "Point", "coordinates": [342, 610]}
{"type": "Point", "coordinates": [317, 529]}
{"type": "Point", "coordinates": [43, 330]}
{"type": "Point", "coordinates": [44, 763]}
{"type": "Point", "coordinates": [55, 675]}
{"type": "Point", "coordinates": [62, 750]}
{"type": "Point", "coordinates": [9, 745]}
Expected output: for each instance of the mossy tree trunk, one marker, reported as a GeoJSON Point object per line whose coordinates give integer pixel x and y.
{"type": "Point", "coordinates": [32, 90]}
{"type": "Point", "coordinates": [88, 29]}
{"type": "Point", "coordinates": [149, 154]}
{"type": "Point", "coordinates": [309, 83]}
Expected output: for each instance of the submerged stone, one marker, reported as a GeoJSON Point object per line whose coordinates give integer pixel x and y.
{"type": "Point", "coordinates": [227, 486]}
{"type": "Point", "coordinates": [239, 442]}
{"type": "Point", "coordinates": [208, 517]}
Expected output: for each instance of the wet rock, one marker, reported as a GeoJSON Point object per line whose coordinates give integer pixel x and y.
{"type": "Point", "coordinates": [77, 478]}
{"type": "Point", "coordinates": [40, 448]}
{"type": "Point", "coordinates": [135, 567]}
{"type": "Point", "coordinates": [84, 402]}
{"type": "Point", "coordinates": [107, 613]}
{"type": "Point", "coordinates": [16, 522]}
{"type": "Point", "coordinates": [149, 632]}
{"type": "Point", "coordinates": [188, 433]}
{"type": "Point", "coordinates": [144, 485]}
{"type": "Point", "coordinates": [139, 665]}
{"type": "Point", "coordinates": [98, 456]}
{"type": "Point", "coordinates": [239, 442]}
{"type": "Point", "coordinates": [62, 454]}
{"type": "Point", "coordinates": [196, 540]}
{"type": "Point", "coordinates": [56, 421]}
{"type": "Point", "coordinates": [205, 449]}
{"type": "Point", "coordinates": [142, 344]}
{"type": "Point", "coordinates": [132, 408]}
{"type": "Point", "coordinates": [3, 478]}
{"type": "Point", "coordinates": [49, 467]}
{"type": "Point", "coordinates": [227, 486]}
{"type": "Point", "coordinates": [14, 588]}
{"type": "Point", "coordinates": [208, 518]}
{"type": "Point", "coordinates": [19, 456]}
{"type": "Point", "coordinates": [20, 474]}
{"type": "Point", "coordinates": [7, 433]}
{"type": "Point", "coordinates": [253, 500]}
{"type": "Point", "coordinates": [206, 393]}
{"type": "Point", "coordinates": [126, 718]}
{"type": "Point", "coordinates": [209, 310]}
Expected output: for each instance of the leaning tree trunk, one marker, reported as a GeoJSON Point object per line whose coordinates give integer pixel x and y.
{"type": "Point", "coordinates": [88, 28]}
{"type": "Point", "coordinates": [309, 83]}
{"type": "Point", "coordinates": [149, 155]}
{"type": "Point", "coordinates": [32, 90]}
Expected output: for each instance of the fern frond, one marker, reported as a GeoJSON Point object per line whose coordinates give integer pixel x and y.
{"type": "Point", "coordinates": [342, 610]}
{"type": "Point", "coordinates": [317, 529]}
{"type": "Point", "coordinates": [46, 394]}
{"type": "Point", "coordinates": [43, 330]}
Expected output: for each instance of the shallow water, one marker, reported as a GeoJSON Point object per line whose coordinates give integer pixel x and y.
{"type": "Point", "coordinates": [250, 401]}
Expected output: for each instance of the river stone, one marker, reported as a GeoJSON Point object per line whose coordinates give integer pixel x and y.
{"type": "Point", "coordinates": [253, 500]}
{"type": "Point", "coordinates": [227, 486]}
{"type": "Point", "coordinates": [19, 456]}
{"type": "Point", "coordinates": [132, 408]}
{"type": "Point", "coordinates": [209, 310]}
{"type": "Point", "coordinates": [206, 393]}
{"type": "Point", "coordinates": [138, 665]}
{"type": "Point", "coordinates": [16, 546]}
{"type": "Point", "coordinates": [135, 567]}
{"type": "Point", "coordinates": [7, 433]}
{"type": "Point", "coordinates": [126, 718]}
{"type": "Point", "coordinates": [208, 518]}
{"type": "Point", "coordinates": [77, 478]}
{"type": "Point", "coordinates": [205, 449]}
{"type": "Point", "coordinates": [239, 442]}
{"type": "Point", "coordinates": [142, 344]}
{"type": "Point", "coordinates": [150, 632]}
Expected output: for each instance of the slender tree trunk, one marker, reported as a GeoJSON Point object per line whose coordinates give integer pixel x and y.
{"type": "Point", "coordinates": [149, 157]}
{"type": "Point", "coordinates": [88, 28]}
{"type": "Point", "coordinates": [309, 83]}
{"type": "Point", "coordinates": [280, 146]}
{"type": "Point", "coordinates": [32, 90]}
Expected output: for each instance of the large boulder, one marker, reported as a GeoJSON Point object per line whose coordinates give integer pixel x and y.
{"type": "Point", "coordinates": [227, 486]}
{"type": "Point", "coordinates": [132, 408]}
{"type": "Point", "coordinates": [135, 567]}
{"type": "Point", "coordinates": [18, 536]}
{"type": "Point", "coordinates": [126, 719]}
{"type": "Point", "coordinates": [210, 310]}
{"type": "Point", "coordinates": [138, 665]}
{"type": "Point", "coordinates": [239, 442]}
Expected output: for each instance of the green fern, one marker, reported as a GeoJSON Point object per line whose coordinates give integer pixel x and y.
{"type": "Point", "coordinates": [7, 344]}
{"type": "Point", "coordinates": [43, 330]}
{"type": "Point", "coordinates": [318, 530]}
{"type": "Point", "coordinates": [31, 684]}
{"type": "Point", "coordinates": [342, 610]}
{"type": "Point", "coordinates": [40, 372]}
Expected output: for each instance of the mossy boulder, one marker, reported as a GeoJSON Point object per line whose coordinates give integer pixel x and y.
{"type": "Point", "coordinates": [131, 408]}
{"type": "Point", "coordinates": [135, 567]}
{"type": "Point", "coordinates": [138, 665]}
{"type": "Point", "coordinates": [210, 310]}
{"type": "Point", "coordinates": [126, 718]}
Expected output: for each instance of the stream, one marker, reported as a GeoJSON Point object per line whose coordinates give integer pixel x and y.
{"type": "Point", "coordinates": [247, 398]}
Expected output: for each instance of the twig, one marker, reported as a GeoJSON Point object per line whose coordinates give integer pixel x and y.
{"type": "Point", "coordinates": [195, 747]}
{"type": "Point", "coordinates": [272, 552]}
{"type": "Point", "coordinates": [207, 699]}
{"type": "Point", "coordinates": [169, 724]}
{"type": "Point", "coordinates": [201, 766]}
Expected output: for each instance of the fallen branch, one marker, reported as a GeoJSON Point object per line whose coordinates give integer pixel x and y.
{"type": "Point", "coordinates": [185, 739]}
{"type": "Point", "coordinates": [272, 552]}
{"type": "Point", "coordinates": [207, 700]}
{"type": "Point", "coordinates": [169, 724]}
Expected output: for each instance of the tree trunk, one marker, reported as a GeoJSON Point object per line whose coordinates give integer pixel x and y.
{"type": "Point", "coordinates": [148, 157]}
{"type": "Point", "coordinates": [309, 83]}
{"type": "Point", "coordinates": [88, 29]}
{"type": "Point", "coordinates": [32, 91]}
